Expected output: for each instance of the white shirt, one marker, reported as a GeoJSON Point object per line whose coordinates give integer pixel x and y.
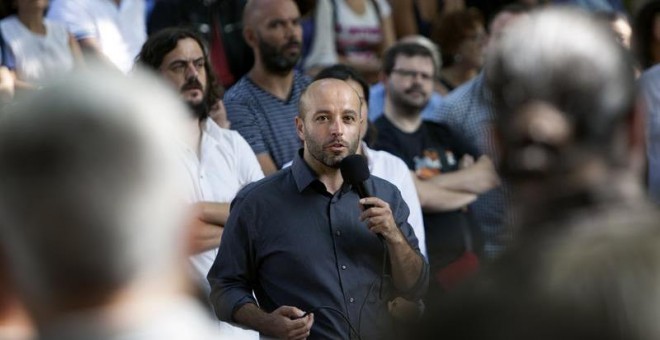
{"type": "Point", "coordinates": [37, 57]}
{"type": "Point", "coordinates": [392, 169]}
{"type": "Point", "coordinates": [120, 30]}
{"type": "Point", "coordinates": [226, 165]}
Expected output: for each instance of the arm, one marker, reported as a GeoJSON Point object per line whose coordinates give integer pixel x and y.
{"type": "Point", "coordinates": [323, 51]}
{"type": "Point", "coordinates": [208, 227]}
{"type": "Point", "coordinates": [283, 323]}
{"type": "Point", "coordinates": [91, 49]}
{"type": "Point", "coordinates": [267, 164]}
{"type": "Point", "coordinates": [407, 264]}
{"type": "Point", "coordinates": [389, 35]}
{"type": "Point", "coordinates": [404, 20]}
{"type": "Point", "coordinates": [475, 179]}
{"type": "Point", "coordinates": [75, 15]}
{"type": "Point", "coordinates": [435, 198]}
{"type": "Point", "coordinates": [242, 113]}
{"type": "Point", "coordinates": [6, 85]}
{"type": "Point", "coordinates": [76, 52]}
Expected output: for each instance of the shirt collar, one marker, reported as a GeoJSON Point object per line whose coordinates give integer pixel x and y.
{"type": "Point", "coordinates": [303, 175]}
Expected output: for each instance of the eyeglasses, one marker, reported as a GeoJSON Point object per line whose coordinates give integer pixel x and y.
{"type": "Point", "coordinates": [413, 74]}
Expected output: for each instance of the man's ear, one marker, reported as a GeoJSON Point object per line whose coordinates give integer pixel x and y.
{"type": "Point", "coordinates": [300, 128]}
{"type": "Point", "coordinates": [249, 36]}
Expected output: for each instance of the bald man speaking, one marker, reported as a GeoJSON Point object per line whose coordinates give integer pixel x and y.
{"type": "Point", "coordinates": [308, 247]}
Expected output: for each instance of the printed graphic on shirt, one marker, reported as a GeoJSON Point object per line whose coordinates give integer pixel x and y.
{"type": "Point", "coordinates": [430, 163]}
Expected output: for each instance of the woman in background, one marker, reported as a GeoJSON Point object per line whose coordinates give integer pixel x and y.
{"type": "Point", "coordinates": [351, 32]}
{"type": "Point", "coordinates": [462, 38]}
{"type": "Point", "coordinates": [35, 48]}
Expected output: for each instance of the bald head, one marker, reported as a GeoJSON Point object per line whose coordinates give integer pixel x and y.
{"type": "Point", "coordinates": [255, 10]}
{"type": "Point", "coordinates": [326, 87]}
{"type": "Point", "coordinates": [329, 123]}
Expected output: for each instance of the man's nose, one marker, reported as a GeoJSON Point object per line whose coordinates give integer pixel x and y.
{"type": "Point", "coordinates": [337, 127]}
{"type": "Point", "coordinates": [191, 71]}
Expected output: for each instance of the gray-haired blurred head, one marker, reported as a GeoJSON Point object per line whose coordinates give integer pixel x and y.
{"type": "Point", "coordinates": [562, 86]}
{"type": "Point", "coordinates": [90, 196]}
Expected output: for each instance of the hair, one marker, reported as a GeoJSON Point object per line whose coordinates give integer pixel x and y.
{"type": "Point", "coordinates": [643, 35]}
{"type": "Point", "coordinates": [405, 49]}
{"type": "Point", "coordinates": [451, 29]}
{"type": "Point", "coordinates": [163, 42]}
{"type": "Point", "coordinates": [345, 72]}
{"type": "Point", "coordinates": [90, 196]}
{"type": "Point", "coordinates": [574, 68]}
{"type": "Point", "coordinates": [428, 43]}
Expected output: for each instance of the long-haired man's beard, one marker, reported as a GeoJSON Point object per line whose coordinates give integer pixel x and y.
{"type": "Point", "coordinates": [277, 61]}
{"type": "Point", "coordinates": [200, 110]}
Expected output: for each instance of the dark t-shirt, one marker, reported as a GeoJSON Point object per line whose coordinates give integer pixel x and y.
{"type": "Point", "coordinates": [433, 149]}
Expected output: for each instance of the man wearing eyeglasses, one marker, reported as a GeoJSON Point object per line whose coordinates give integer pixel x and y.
{"type": "Point", "coordinates": [449, 172]}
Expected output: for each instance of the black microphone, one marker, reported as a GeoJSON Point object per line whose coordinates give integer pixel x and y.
{"type": "Point", "coordinates": [355, 171]}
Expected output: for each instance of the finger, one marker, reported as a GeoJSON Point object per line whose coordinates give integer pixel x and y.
{"type": "Point", "coordinates": [300, 333]}
{"type": "Point", "coordinates": [373, 201]}
{"type": "Point", "coordinates": [303, 332]}
{"type": "Point", "coordinates": [290, 312]}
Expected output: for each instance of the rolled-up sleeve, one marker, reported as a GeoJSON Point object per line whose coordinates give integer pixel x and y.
{"type": "Point", "coordinates": [400, 211]}
{"type": "Point", "coordinates": [232, 274]}
{"type": "Point", "coordinates": [76, 16]}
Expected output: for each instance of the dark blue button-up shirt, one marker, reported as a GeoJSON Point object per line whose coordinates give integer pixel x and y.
{"type": "Point", "coordinates": [292, 243]}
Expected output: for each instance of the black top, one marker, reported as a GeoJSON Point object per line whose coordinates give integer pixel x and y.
{"type": "Point", "coordinates": [433, 149]}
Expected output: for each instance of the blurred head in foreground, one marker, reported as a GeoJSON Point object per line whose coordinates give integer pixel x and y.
{"type": "Point", "coordinates": [564, 96]}
{"type": "Point", "coordinates": [90, 203]}
{"type": "Point", "coordinates": [569, 137]}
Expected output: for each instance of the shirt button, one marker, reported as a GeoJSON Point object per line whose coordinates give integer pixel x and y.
{"type": "Point", "coordinates": [343, 267]}
{"type": "Point", "coordinates": [351, 300]}
{"type": "Point", "coordinates": [338, 233]}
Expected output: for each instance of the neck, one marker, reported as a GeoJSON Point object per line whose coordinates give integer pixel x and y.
{"type": "Point", "coordinates": [33, 20]}
{"type": "Point", "coordinates": [194, 140]}
{"type": "Point", "coordinates": [330, 177]}
{"type": "Point", "coordinates": [655, 54]}
{"type": "Point", "coordinates": [279, 85]}
{"type": "Point", "coordinates": [405, 119]}
{"type": "Point", "coordinates": [592, 187]}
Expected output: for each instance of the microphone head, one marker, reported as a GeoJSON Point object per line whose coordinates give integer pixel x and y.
{"type": "Point", "coordinates": [354, 169]}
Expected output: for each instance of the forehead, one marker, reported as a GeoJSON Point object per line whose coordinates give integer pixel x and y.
{"type": "Point", "coordinates": [356, 86]}
{"type": "Point", "coordinates": [187, 49]}
{"type": "Point", "coordinates": [415, 63]}
{"type": "Point", "coordinates": [335, 95]}
{"type": "Point", "coordinates": [276, 9]}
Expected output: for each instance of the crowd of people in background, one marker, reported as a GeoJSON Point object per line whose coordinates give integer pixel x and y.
{"type": "Point", "coordinates": [187, 169]}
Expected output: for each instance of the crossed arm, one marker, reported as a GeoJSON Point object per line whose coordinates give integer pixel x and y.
{"type": "Point", "coordinates": [208, 225]}
{"type": "Point", "coordinates": [454, 190]}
